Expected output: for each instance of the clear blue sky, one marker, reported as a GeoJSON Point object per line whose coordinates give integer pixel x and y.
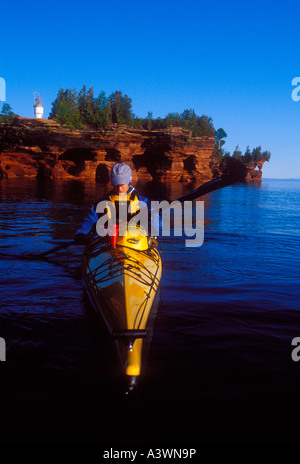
{"type": "Point", "coordinates": [233, 61]}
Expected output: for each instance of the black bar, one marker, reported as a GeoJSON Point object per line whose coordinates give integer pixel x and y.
{"type": "Point", "coordinates": [129, 333]}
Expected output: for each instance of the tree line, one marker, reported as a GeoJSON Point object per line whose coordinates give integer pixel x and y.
{"type": "Point", "coordinates": [74, 109]}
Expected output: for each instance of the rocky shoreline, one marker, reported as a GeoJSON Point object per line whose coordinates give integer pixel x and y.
{"type": "Point", "coordinates": [41, 148]}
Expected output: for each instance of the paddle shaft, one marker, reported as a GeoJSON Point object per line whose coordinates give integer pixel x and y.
{"type": "Point", "coordinates": [208, 187]}
{"type": "Point", "coordinates": [55, 249]}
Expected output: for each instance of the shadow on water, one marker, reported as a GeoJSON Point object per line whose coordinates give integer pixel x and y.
{"type": "Point", "coordinates": [105, 356]}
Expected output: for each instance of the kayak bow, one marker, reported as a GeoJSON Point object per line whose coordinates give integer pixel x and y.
{"type": "Point", "coordinates": [123, 286]}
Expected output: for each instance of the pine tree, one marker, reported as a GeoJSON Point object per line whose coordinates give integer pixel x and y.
{"type": "Point", "coordinates": [65, 109]}
{"type": "Point", "coordinates": [7, 114]}
{"type": "Point", "coordinates": [120, 108]}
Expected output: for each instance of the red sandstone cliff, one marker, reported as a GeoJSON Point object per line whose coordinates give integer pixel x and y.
{"type": "Point", "coordinates": [255, 172]}
{"type": "Point", "coordinates": [42, 148]}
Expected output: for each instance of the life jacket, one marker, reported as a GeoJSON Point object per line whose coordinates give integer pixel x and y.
{"type": "Point", "coordinates": [129, 204]}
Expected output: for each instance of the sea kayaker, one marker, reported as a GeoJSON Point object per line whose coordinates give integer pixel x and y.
{"type": "Point", "coordinates": [121, 178]}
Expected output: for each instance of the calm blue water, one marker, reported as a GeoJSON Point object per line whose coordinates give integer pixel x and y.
{"type": "Point", "coordinates": [220, 367]}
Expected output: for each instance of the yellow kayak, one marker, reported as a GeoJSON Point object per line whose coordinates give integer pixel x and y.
{"type": "Point", "coordinates": [122, 282]}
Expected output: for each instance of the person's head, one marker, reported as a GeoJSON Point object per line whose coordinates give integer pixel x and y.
{"type": "Point", "coordinates": [120, 177]}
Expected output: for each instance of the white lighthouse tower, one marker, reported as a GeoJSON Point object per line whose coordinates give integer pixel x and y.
{"type": "Point", "coordinates": [38, 108]}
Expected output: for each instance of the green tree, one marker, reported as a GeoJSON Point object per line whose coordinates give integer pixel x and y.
{"type": "Point", "coordinates": [120, 108]}
{"type": "Point", "coordinates": [7, 114]}
{"type": "Point", "coordinates": [101, 110]}
{"type": "Point", "coordinates": [237, 154]}
{"type": "Point", "coordinates": [65, 109]}
{"type": "Point", "coordinates": [247, 156]}
{"type": "Point", "coordinates": [188, 115]}
{"type": "Point", "coordinates": [85, 102]}
{"type": "Point", "coordinates": [204, 126]}
{"type": "Point", "coordinates": [220, 135]}
{"type": "Point", "coordinates": [189, 120]}
{"type": "Point", "coordinates": [173, 119]}
{"type": "Point", "coordinates": [6, 110]}
{"type": "Point", "coordinates": [93, 111]}
{"type": "Point", "coordinates": [256, 154]}
{"type": "Point", "coordinates": [158, 124]}
{"type": "Point", "coordinates": [266, 155]}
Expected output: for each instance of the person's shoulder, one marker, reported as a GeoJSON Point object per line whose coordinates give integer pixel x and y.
{"type": "Point", "coordinates": [142, 198]}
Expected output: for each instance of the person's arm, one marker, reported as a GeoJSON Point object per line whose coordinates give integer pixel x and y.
{"type": "Point", "coordinates": [88, 224]}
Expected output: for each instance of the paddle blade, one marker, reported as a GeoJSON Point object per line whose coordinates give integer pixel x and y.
{"type": "Point", "coordinates": [235, 172]}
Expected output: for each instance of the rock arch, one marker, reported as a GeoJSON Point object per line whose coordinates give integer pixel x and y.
{"type": "Point", "coordinates": [73, 160]}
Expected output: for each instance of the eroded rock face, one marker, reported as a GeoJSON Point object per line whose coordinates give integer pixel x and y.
{"type": "Point", "coordinates": [255, 172]}
{"type": "Point", "coordinates": [42, 148]}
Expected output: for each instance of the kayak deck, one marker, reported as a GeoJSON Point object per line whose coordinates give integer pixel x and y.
{"type": "Point", "coordinates": [122, 284]}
